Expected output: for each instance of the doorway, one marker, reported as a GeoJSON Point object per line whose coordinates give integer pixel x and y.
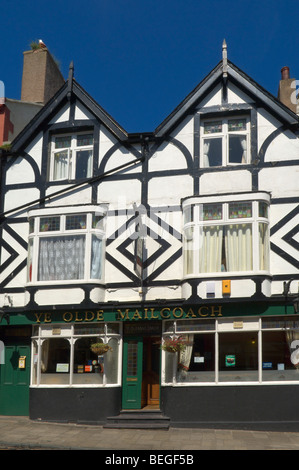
{"type": "Point", "coordinates": [141, 372]}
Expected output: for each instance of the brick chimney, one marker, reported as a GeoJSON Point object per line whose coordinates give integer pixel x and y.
{"type": "Point", "coordinates": [41, 76]}
{"type": "Point", "coordinates": [287, 90]}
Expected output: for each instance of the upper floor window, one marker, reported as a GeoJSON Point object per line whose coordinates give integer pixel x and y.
{"type": "Point", "coordinates": [226, 235]}
{"type": "Point", "coordinates": [65, 247]}
{"type": "Point", "coordinates": [225, 142]}
{"type": "Point", "coordinates": [71, 156]}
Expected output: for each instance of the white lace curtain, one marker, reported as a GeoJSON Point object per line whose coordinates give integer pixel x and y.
{"type": "Point", "coordinates": [61, 258]}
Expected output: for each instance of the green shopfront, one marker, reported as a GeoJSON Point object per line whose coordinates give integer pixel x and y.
{"type": "Point", "coordinates": [238, 366]}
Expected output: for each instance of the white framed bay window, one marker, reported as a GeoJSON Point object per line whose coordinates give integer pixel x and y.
{"type": "Point", "coordinates": [226, 234]}
{"type": "Point", "coordinates": [66, 247]}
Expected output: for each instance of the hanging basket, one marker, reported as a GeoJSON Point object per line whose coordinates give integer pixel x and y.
{"type": "Point", "coordinates": [173, 345]}
{"type": "Point", "coordinates": [100, 348]}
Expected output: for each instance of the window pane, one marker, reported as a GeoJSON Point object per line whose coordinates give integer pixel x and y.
{"type": "Point", "coordinates": [83, 164]}
{"type": "Point", "coordinates": [238, 247]}
{"type": "Point", "coordinates": [264, 247]}
{"type": "Point", "coordinates": [48, 224]}
{"type": "Point", "coordinates": [61, 165]}
{"type": "Point", "coordinates": [31, 225]}
{"type": "Point", "coordinates": [237, 149]}
{"type": "Point", "coordinates": [277, 352]}
{"type": "Point", "coordinates": [210, 249]}
{"type": "Point", "coordinates": [195, 325]}
{"type": "Point", "coordinates": [236, 125]}
{"type": "Point", "coordinates": [61, 258]}
{"type": "Point", "coordinates": [211, 212]}
{"type": "Point", "coordinates": [111, 362]}
{"type": "Point", "coordinates": [84, 139]}
{"type": "Point", "coordinates": [197, 362]}
{"type": "Point", "coordinates": [212, 127]}
{"type": "Point", "coordinates": [240, 210]}
{"type": "Point", "coordinates": [188, 251]}
{"type": "Point", "coordinates": [212, 150]}
{"type": "Point", "coordinates": [263, 209]}
{"type": "Point", "coordinates": [96, 258]}
{"type": "Point", "coordinates": [238, 356]}
{"type": "Point", "coordinates": [189, 214]}
{"type": "Point", "coordinates": [55, 361]}
{"type": "Point", "coordinates": [75, 222]}
{"type": "Point", "coordinates": [88, 367]}
{"type": "Point", "coordinates": [63, 142]}
{"type": "Point", "coordinates": [29, 260]}
{"type": "Point", "coordinates": [98, 221]}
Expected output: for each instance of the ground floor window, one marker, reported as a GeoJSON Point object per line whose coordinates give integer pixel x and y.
{"type": "Point", "coordinates": [63, 355]}
{"type": "Point", "coordinates": [232, 350]}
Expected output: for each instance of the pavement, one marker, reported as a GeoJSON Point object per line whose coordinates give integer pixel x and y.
{"type": "Point", "coordinates": [21, 433]}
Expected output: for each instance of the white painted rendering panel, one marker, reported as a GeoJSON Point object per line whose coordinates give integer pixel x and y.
{"type": "Point", "coordinates": [81, 112]}
{"type": "Point", "coordinates": [59, 296]}
{"type": "Point", "coordinates": [225, 182]}
{"type": "Point", "coordinates": [176, 188]}
{"type": "Point", "coordinates": [280, 181]}
{"type": "Point", "coordinates": [167, 157]}
{"type": "Point", "coordinates": [62, 116]}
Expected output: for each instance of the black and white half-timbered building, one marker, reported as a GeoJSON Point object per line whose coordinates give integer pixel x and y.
{"type": "Point", "coordinates": [177, 248]}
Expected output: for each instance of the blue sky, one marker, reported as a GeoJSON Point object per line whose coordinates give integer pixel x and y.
{"type": "Point", "coordinates": [140, 59]}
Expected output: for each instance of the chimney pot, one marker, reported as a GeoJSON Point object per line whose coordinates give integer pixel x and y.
{"type": "Point", "coordinates": [285, 73]}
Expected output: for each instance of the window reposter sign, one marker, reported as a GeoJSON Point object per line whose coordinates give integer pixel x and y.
{"type": "Point", "coordinates": [230, 360]}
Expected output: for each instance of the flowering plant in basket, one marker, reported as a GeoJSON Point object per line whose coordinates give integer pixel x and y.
{"type": "Point", "coordinates": [173, 345]}
{"type": "Point", "coordinates": [100, 348]}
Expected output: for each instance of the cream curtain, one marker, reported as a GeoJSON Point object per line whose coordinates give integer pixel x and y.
{"type": "Point", "coordinates": [210, 249]}
{"type": "Point", "coordinates": [61, 165]}
{"type": "Point", "coordinates": [239, 247]}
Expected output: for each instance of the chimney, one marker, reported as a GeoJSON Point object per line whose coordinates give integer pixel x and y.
{"type": "Point", "coordinates": [41, 76]}
{"type": "Point", "coordinates": [287, 90]}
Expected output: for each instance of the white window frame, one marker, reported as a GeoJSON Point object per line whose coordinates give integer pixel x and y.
{"type": "Point", "coordinates": [71, 155]}
{"type": "Point", "coordinates": [36, 235]}
{"type": "Point", "coordinates": [69, 333]}
{"type": "Point", "coordinates": [196, 225]}
{"type": "Point", "coordinates": [224, 136]}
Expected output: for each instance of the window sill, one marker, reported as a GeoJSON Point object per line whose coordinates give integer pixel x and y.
{"type": "Point", "coordinates": [72, 283]}
{"type": "Point", "coordinates": [228, 275]}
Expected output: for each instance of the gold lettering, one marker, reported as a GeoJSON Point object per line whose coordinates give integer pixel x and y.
{"type": "Point", "coordinates": [48, 318]}
{"type": "Point", "coordinates": [167, 315]}
{"type": "Point", "coordinates": [180, 314]}
{"type": "Point", "coordinates": [100, 315]}
{"type": "Point", "coordinates": [122, 316]}
{"type": "Point", "coordinates": [216, 310]}
{"type": "Point", "coordinates": [38, 317]}
{"type": "Point", "coordinates": [77, 318]}
{"type": "Point", "coordinates": [136, 315]}
{"type": "Point", "coordinates": [89, 318]}
{"type": "Point", "coordinates": [67, 316]}
{"type": "Point", "coordinates": [203, 314]}
{"type": "Point", "coordinates": [190, 313]}
{"type": "Point", "coordinates": [145, 314]}
{"type": "Point", "coordinates": [153, 314]}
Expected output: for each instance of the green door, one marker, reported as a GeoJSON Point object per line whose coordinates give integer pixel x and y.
{"type": "Point", "coordinates": [132, 373]}
{"type": "Point", "coordinates": [14, 380]}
